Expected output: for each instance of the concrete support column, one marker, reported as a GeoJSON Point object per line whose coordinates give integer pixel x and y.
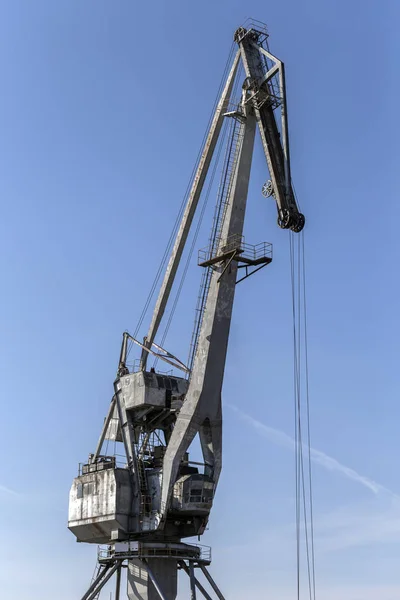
{"type": "Point", "coordinates": [140, 585]}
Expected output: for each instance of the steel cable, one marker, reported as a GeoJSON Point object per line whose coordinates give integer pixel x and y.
{"type": "Point", "coordinates": [182, 207]}
{"type": "Point", "coordinates": [193, 244]}
{"type": "Point", "coordinates": [308, 415]}
{"type": "Point", "coordinates": [303, 493]}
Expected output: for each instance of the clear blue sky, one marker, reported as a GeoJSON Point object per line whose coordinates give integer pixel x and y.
{"type": "Point", "coordinates": [103, 106]}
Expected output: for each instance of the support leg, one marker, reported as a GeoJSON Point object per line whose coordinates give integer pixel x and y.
{"type": "Point", "coordinates": [96, 582]}
{"type": "Point", "coordinates": [152, 579]}
{"type": "Point", "coordinates": [105, 576]}
{"type": "Point", "coordinates": [201, 589]}
{"type": "Point", "coordinates": [211, 582]}
{"type": "Point", "coordinates": [192, 581]}
{"type": "Point", "coordinates": [118, 583]}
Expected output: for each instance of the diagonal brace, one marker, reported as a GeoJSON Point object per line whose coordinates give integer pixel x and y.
{"type": "Point", "coordinates": [201, 589]}
{"type": "Point", "coordinates": [100, 581]}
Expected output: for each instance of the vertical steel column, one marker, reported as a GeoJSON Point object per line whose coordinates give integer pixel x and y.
{"type": "Point", "coordinates": [192, 581]}
{"type": "Point", "coordinates": [199, 586]}
{"type": "Point", "coordinates": [118, 583]}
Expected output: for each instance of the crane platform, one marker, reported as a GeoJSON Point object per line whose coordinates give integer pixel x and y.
{"type": "Point", "coordinates": [235, 248]}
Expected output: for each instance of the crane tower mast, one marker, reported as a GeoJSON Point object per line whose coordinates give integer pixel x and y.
{"type": "Point", "coordinates": [139, 512]}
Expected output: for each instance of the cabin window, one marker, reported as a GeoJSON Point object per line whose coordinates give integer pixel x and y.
{"type": "Point", "coordinates": [89, 488]}
{"type": "Point", "coordinates": [86, 489]}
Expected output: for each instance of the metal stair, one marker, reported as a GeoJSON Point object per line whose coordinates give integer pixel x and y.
{"type": "Point", "coordinates": [96, 573]}
{"type": "Point", "coordinates": [225, 186]}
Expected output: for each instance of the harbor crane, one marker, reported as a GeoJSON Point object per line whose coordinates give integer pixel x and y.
{"type": "Point", "coordinates": [141, 512]}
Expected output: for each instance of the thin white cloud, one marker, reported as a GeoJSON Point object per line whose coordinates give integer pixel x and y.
{"type": "Point", "coordinates": [6, 490]}
{"type": "Point", "coordinates": [327, 462]}
{"type": "Point", "coordinates": [331, 592]}
{"type": "Point", "coordinates": [360, 525]}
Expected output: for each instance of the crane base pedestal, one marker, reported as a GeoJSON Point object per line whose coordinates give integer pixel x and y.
{"type": "Point", "coordinates": [153, 570]}
{"type": "Point", "coordinates": [145, 576]}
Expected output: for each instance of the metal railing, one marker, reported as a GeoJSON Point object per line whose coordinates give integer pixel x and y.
{"type": "Point", "coordinates": [257, 26]}
{"type": "Point", "coordinates": [105, 552]}
{"type": "Point", "coordinates": [233, 107]}
{"type": "Point", "coordinates": [138, 549]}
{"type": "Point", "coordinates": [109, 462]}
{"type": "Point", "coordinates": [135, 366]}
{"type": "Point", "coordinates": [236, 243]}
{"type": "Point", "coordinates": [201, 552]}
{"type": "Point", "coordinates": [257, 251]}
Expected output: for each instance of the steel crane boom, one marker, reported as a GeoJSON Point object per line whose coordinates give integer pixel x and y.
{"type": "Point", "coordinates": [201, 411]}
{"type": "Point", "coordinates": [266, 95]}
{"type": "Point", "coordinates": [190, 209]}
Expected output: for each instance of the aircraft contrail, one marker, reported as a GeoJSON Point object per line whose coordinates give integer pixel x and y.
{"type": "Point", "coordinates": [7, 490]}
{"type": "Point", "coordinates": [327, 462]}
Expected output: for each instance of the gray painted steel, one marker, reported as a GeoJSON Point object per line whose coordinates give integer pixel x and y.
{"type": "Point", "coordinates": [152, 579]}
{"type": "Point", "coordinates": [201, 411]}
{"type": "Point", "coordinates": [276, 152]}
{"type": "Point", "coordinates": [201, 589]}
{"type": "Point", "coordinates": [100, 506]}
{"type": "Point", "coordinates": [118, 583]}
{"type": "Point", "coordinates": [191, 206]}
{"type": "Point", "coordinates": [100, 582]}
{"type": "Point", "coordinates": [212, 582]}
{"type": "Point", "coordinates": [192, 581]}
